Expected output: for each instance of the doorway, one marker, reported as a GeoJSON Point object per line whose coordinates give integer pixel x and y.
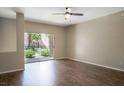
{"type": "Point", "coordinates": [38, 47]}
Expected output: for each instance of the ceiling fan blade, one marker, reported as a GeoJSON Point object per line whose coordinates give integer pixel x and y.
{"type": "Point", "coordinates": [77, 14]}
{"type": "Point", "coordinates": [58, 13]}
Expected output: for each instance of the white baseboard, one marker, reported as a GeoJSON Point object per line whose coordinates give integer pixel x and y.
{"type": "Point", "coordinates": [83, 61]}
{"type": "Point", "coordinates": [11, 71]}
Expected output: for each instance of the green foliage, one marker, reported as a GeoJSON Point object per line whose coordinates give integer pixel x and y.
{"type": "Point", "coordinates": [45, 52]}
{"type": "Point", "coordinates": [34, 49]}
{"type": "Point", "coordinates": [36, 36]}
{"type": "Point", "coordinates": [29, 53]}
{"type": "Point", "coordinates": [32, 52]}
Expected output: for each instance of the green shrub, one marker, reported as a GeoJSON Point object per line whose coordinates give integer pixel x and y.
{"type": "Point", "coordinates": [34, 49]}
{"type": "Point", "coordinates": [45, 52]}
{"type": "Point", "coordinates": [29, 53]}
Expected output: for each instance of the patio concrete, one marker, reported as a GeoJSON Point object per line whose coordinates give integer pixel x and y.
{"type": "Point", "coordinates": [38, 59]}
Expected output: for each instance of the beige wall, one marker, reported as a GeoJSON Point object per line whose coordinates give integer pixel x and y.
{"type": "Point", "coordinates": [99, 41]}
{"type": "Point", "coordinates": [8, 62]}
{"type": "Point", "coordinates": [58, 32]}
{"type": "Point", "coordinates": [11, 59]}
{"type": "Point", "coordinates": [8, 55]}
{"type": "Point", "coordinates": [20, 39]}
{"type": "Point", "coordinates": [7, 35]}
{"type": "Point", "coordinates": [0, 35]}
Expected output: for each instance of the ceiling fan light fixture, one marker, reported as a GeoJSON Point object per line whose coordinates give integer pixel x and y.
{"type": "Point", "coordinates": [67, 16]}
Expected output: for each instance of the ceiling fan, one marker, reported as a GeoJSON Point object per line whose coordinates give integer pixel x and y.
{"type": "Point", "coordinates": [68, 13]}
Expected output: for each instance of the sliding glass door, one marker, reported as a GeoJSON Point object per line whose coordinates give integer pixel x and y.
{"type": "Point", "coordinates": [38, 47]}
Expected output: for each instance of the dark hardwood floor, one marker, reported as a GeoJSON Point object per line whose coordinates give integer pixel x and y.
{"type": "Point", "coordinates": [64, 73]}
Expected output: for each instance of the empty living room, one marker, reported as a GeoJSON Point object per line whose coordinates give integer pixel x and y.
{"type": "Point", "coordinates": [61, 46]}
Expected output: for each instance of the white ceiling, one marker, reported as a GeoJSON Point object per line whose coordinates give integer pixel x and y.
{"type": "Point", "coordinates": [44, 14]}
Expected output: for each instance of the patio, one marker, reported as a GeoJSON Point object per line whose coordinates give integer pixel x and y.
{"type": "Point", "coordinates": [38, 59]}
